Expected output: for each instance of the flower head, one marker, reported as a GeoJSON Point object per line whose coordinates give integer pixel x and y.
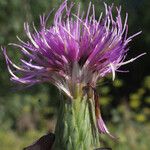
{"type": "Point", "coordinates": [74, 49]}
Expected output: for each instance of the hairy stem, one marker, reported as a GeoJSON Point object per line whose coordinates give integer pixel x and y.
{"type": "Point", "coordinates": [76, 126]}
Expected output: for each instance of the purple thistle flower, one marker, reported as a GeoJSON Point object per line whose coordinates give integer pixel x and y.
{"type": "Point", "coordinates": [76, 49]}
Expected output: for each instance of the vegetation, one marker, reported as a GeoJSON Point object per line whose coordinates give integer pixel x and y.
{"type": "Point", "coordinates": [27, 114]}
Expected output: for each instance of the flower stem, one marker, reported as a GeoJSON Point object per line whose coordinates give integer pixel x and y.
{"type": "Point", "coordinates": [76, 126]}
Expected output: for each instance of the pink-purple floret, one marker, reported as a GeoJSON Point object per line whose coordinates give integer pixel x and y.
{"type": "Point", "coordinates": [100, 46]}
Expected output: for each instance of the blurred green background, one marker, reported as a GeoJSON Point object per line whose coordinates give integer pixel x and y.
{"type": "Point", "coordinates": [27, 114]}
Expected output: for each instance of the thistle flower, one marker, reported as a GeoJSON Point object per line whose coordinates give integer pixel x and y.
{"type": "Point", "coordinates": [74, 50]}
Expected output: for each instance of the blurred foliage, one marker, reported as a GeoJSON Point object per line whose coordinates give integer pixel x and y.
{"type": "Point", "coordinates": [24, 114]}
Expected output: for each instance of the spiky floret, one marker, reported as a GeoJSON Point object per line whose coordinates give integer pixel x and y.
{"type": "Point", "coordinates": [75, 49]}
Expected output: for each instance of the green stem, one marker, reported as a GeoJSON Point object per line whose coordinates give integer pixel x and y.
{"type": "Point", "coordinates": [76, 126]}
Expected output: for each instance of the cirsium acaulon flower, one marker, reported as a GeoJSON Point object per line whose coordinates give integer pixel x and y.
{"type": "Point", "coordinates": [74, 49]}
